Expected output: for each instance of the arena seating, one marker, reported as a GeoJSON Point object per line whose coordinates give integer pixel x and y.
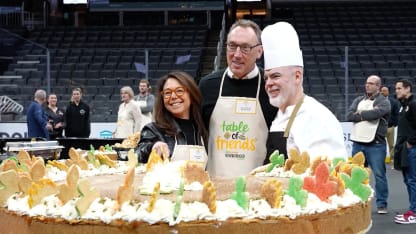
{"type": "Point", "coordinates": [101, 60]}
{"type": "Point", "coordinates": [380, 38]}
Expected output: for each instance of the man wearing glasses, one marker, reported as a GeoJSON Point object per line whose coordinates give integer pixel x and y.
{"type": "Point", "coordinates": [369, 114]}
{"type": "Point", "coordinates": [235, 106]}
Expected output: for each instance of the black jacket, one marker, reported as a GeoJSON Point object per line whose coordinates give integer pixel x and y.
{"type": "Point", "coordinates": [394, 113]}
{"type": "Point", "coordinates": [77, 120]}
{"type": "Point", "coordinates": [54, 119]}
{"type": "Point", "coordinates": [150, 134]}
{"type": "Point", "coordinates": [406, 132]}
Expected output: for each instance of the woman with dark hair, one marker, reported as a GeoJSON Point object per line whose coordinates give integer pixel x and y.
{"type": "Point", "coordinates": [55, 117]}
{"type": "Point", "coordinates": [178, 131]}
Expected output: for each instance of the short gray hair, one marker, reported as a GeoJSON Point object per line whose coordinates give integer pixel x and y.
{"type": "Point", "coordinates": [245, 23]}
{"type": "Point", "coordinates": [128, 90]}
{"type": "Point", "coordinates": [40, 94]}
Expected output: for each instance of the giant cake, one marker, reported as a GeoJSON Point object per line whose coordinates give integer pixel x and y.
{"type": "Point", "coordinates": [180, 197]}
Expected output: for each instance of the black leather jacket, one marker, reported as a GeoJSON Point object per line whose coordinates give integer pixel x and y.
{"type": "Point", "coordinates": [150, 134]}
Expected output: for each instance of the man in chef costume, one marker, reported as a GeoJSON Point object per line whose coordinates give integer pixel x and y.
{"type": "Point", "coordinates": [301, 122]}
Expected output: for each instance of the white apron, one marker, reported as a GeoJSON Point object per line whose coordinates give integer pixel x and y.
{"type": "Point", "coordinates": [193, 153]}
{"type": "Point", "coordinates": [146, 118]}
{"type": "Point", "coordinates": [365, 131]}
{"type": "Point", "coordinates": [238, 134]}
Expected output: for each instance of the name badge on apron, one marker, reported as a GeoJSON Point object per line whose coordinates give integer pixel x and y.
{"type": "Point", "coordinates": [193, 153]}
{"type": "Point", "coordinates": [196, 154]}
{"type": "Point", "coordinates": [245, 106]}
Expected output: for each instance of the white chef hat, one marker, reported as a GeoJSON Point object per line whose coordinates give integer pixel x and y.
{"type": "Point", "coordinates": [281, 46]}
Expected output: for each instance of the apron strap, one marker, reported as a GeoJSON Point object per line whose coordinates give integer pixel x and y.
{"type": "Point", "coordinates": [292, 116]}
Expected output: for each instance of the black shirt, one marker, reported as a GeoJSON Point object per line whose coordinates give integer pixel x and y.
{"type": "Point", "coordinates": [210, 86]}
{"type": "Point", "coordinates": [77, 120]}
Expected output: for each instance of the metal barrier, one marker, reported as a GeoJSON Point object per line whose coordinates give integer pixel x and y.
{"type": "Point", "coordinates": [8, 105]}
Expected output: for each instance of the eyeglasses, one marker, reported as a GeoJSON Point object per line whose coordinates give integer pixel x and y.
{"type": "Point", "coordinates": [245, 49]}
{"type": "Point", "coordinates": [167, 93]}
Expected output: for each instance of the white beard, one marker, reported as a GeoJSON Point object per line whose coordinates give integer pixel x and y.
{"type": "Point", "coordinates": [276, 101]}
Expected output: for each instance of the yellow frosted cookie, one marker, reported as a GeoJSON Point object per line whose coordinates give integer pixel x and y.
{"type": "Point", "coordinates": [209, 196]}
{"type": "Point", "coordinates": [195, 172]}
{"type": "Point", "coordinates": [69, 190]}
{"type": "Point", "coordinates": [125, 191]}
{"type": "Point", "coordinates": [271, 191]}
{"type": "Point", "coordinates": [154, 197]}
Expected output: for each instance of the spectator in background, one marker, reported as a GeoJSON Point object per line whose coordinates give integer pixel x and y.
{"type": "Point", "coordinates": [369, 114]}
{"type": "Point", "coordinates": [77, 116]}
{"type": "Point", "coordinates": [235, 106]}
{"type": "Point", "coordinates": [129, 114]}
{"type": "Point", "coordinates": [146, 101]}
{"type": "Point", "coordinates": [37, 121]}
{"type": "Point", "coordinates": [178, 132]}
{"type": "Point", "coordinates": [393, 119]}
{"type": "Point", "coordinates": [405, 155]}
{"type": "Point", "coordinates": [55, 117]}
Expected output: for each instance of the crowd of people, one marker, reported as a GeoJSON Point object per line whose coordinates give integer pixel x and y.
{"type": "Point", "coordinates": [234, 118]}
{"type": "Point", "coordinates": [48, 120]}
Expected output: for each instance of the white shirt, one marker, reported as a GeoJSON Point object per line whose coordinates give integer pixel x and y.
{"type": "Point", "coordinates": [315, 130]}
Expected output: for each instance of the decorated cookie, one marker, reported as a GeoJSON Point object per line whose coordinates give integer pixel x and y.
{"type": "Point", "coordinates": [194, 172]}
{"type": "Point", "coordinates": [297, 162]}
{"type": "Point", "coordinates": [178, 201]}
{"type": "Point", "coordinates": [8, 185]}
{"type": "Point", "coordinates": [24, 158]}
{"type": "Point", "coordinates": [240, 195]}
{"type": "Point", "coordinates": [341, 185]}
{"type": "Point", "coordinates": [39, 190]}
{"type": "Point", "coordinates": [336, 163]}
{"type": "Point", "coordinates": [272, 192]}
{"type": "Point", "coordinates": [25, 182]}
{"type": "Point", "coordinates": [125, 191]}
{"type": "Point", "coordinates": [154, 158]}
{"type": "Point", "coordinates": [296, 192]}
{"type": "Point", "coordinates": [355, 182]}
{"type": "Point", "coordinates": [276, 160]}
{"type": "Point", "coordinates": [38, 170]}
{"type": "Point", "coordinates": [320, 184]}
{"type": "Point", "coordinates": [154, 198]}
{"type": "Point", "coordinates": [75, 158]}
{"type": "Point", "coordinates": [92, 158]}
{"type": "Point", "coordinates": [105, 160]}
{"type": "Point", "coordinates": [9, 164]}
{"type": "Point", "coordinates": [88, 195]}
{"type": "Point", "coordinates": [69, 190]}
{"type": "Point", "coordinates": [209, 196]}
{"type": "Point", "coordinates": [132, 158]}
{"type": "Point", "coordinates": [357, 160]}
{"type": "Point", "coordinates": [60, 165]}
{"type": "Point", "coordinates": [316, 162]}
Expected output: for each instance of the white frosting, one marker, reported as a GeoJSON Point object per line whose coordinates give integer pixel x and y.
{"type": "Point", "coordinates": [280, 172]}
{"type": "Point", "coordinates": [194, 211]}
{"type": "Point", "coordinates": [101, 209]}
{"type": "Point", "coordinates": [169, 176]}
{"type": "Point", "coordinates": [58, 175]}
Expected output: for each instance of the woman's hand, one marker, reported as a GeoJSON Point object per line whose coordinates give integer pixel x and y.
{"type": "Point", "coordinates": [162, 149]}
{"type": "Point", "coordinates": [58, 125]}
